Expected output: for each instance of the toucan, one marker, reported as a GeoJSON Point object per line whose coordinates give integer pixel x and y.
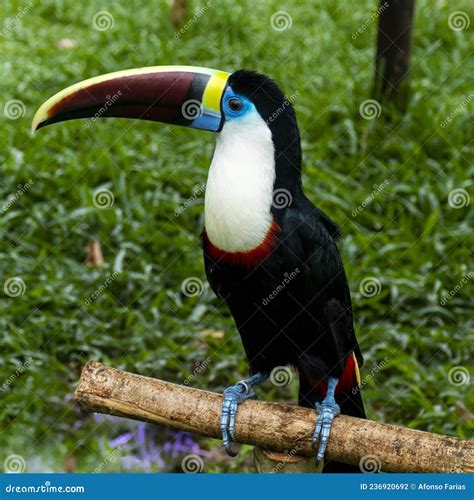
{"type": "Point", "coordinates": [269, 253]}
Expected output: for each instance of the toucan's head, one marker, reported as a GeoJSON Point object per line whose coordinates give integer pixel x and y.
{"type": "Point", "coordinates": [196, 97]}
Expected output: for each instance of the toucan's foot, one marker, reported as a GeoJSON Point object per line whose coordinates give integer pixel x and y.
{"type": "Point", "coordinates": [233, 396]}
{"type": "Point", "coordinates": [326, 414]}
{"type": "Point", "coordinates": [327, 410]}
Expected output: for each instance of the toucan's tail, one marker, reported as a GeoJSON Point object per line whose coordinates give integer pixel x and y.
{"type": "Point", "coordinates": [347, 396]}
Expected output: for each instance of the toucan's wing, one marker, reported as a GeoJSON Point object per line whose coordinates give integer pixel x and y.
{"type": "Point", "coordinates": [311, 237]}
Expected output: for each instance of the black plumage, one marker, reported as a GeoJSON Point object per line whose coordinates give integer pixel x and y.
{"type": "Point", "coordinates": [308, 323]}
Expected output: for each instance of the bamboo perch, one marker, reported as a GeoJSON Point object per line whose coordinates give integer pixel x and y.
{"type": "Point", "coordinates": [271, 426]}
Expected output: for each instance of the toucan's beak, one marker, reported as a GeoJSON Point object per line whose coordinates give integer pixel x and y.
{"type": "Point", "coordinates": [181, 95]}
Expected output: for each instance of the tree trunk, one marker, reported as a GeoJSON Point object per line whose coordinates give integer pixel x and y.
{"type": "Point", "coordinates": [392, 60]}
{"type": "Point", "coordinates": [274, 427]}
{"type": "Point", "coordinates": [178, 12]}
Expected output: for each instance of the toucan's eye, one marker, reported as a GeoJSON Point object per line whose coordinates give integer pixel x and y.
{"type": "Point", "coordinates": [235, 104]}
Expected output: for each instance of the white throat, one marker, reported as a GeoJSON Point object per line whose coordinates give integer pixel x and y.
{"type": "Point", "coordinates": [239, 188]}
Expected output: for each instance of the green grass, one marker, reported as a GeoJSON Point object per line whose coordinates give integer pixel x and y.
{"type": "Point", "coordinates": [409, 237]}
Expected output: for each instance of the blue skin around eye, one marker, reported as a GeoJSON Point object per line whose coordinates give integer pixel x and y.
{"type": "Point", "coordinates": [229, 114]}
{"type": "Point", "coordinates": [211, 120]}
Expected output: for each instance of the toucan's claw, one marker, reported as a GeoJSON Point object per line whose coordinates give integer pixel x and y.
{"type": "Point", "coordinates": [327, 410]}
{"type": "Point", "coordinates": [233, 396]}
{"type": "Point", "coordinates": [326, 413]}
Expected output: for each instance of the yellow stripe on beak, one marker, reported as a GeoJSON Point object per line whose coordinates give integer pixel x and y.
{"type": "Point", "coordinates": [211, 99]}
